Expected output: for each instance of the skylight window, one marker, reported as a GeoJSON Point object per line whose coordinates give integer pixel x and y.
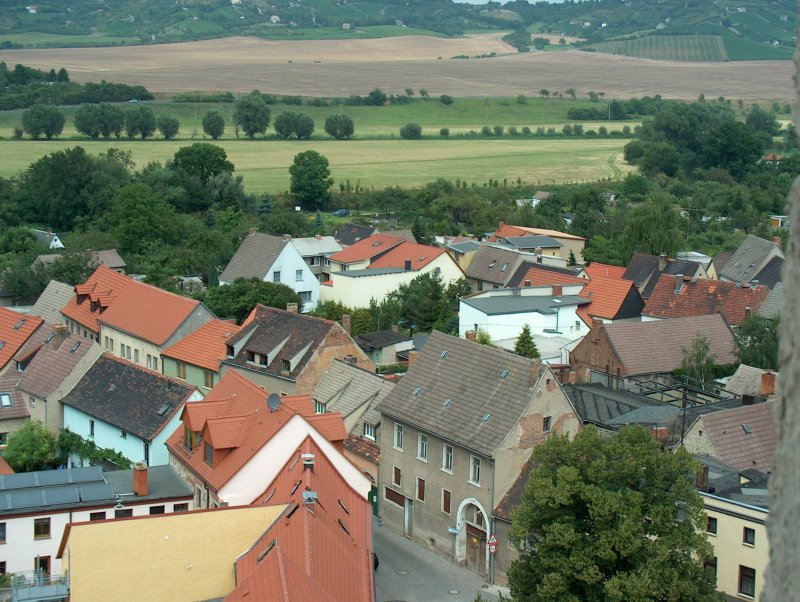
{"type": "Point", "coordinates": [163, 410]}
{"type": "Point", "coordinates": [418, 390]}
{"type": "Point", "coordinates": [75, 347]}
{"type": "Point", "coordinates": [5, 400]}
{"type": "Point", "coordinates": [486, 418]}
{"type": "Point", "coordinates": [504, 268]}
{"type": "Point", "coordinates": [491, 265]}
{"type": "Point", "coordinates": [504, 374]}
{"type": "Point", "coordinates": [447, 402]}
{"type": "Point", "coordinates": [746, 429]}
{"type": "Point", "coordinates": [2, 344]}
{"type": "Point", "coordinates": [20, 324]}
{"type": "Point", "coordinates": [443, 354]}
{"type": "Point", "coordinates": [49, 338]}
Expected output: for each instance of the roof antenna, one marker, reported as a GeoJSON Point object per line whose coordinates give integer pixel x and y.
{"type": "Point", "coordinates": [273, 402]}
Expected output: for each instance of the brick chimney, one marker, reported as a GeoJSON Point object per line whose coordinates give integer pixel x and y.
{"type": "Point", "coordinates": [662, 262]}
{"type": "Point", "coordinates": [292, 308]}
{"type": "Point", "coordinates": [747, 311]}
{"type": "Point", "coordinates": [572, 377]}
{"type": "Point", "coordinates": [701, 482]}
{"type": "Point", "coordinates": [535, 365]}
{"type": "Point", "coordinates": [777, 240]}
{"type": "Point", "coordinates": [471, 335]}
{"type": "Point", "coordinates": [412, 357]}
{"type": "Point", "coordinates": [767, 383]}
{"type": "Point", "coordinates": [252, 231]}
{"type": "Point", "coordinates": [346, 323]}
{"type": "Point", "coordinates": [140, 479]}
{"type": "Point", "coordinates": [287, 237]}
{"type": "Point", "coordinates": [60, 335]}
{"type": "Point", "coordinates": [501, 225]}
{"type": "Point", "coordinates": [557, 290]}
{"type": "Point", "coordinates": [318, 236]}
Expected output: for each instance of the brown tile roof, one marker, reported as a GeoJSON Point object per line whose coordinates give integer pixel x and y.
{"type": "Point", "coordinates": [15, 328]}
{"type": "Point", "coordinates": [745, 437]}
{"type": "Point", "coordinates": [532, 274]}
{"type": "Point", "coordinates": [607, 296]}
{"type": "Point", "coordinates": [604, 269]}
{"type": "Point", "coordinates": [419, 255]}
{"type": "Point", "coordinates": [5, 469]}
{"type": "Point", "coordinates": [205, 347]}
{"type": "Point", "coordinates": [254, 257]}
{"type": "Point", "coordinates": [367, 248]}
{"type": "Point", "coordinates": [53, 362]}
{"type": "Point", "coordinates": [703, 297]}
{"type": "Point", "coordinates": [494, 264]}
{"type": "Point", "coordinates": [234, 416]}
{"type": "Point", "coordinates": [657, 346]}
{"type": "Point", "coordinates": [102, 288]}
{"type": "Point", "coordinates": [19, 407]}
{"type": "Point", "coordinates": [506, 230]}
{"type": "Point", "coordinates": [363, 447]}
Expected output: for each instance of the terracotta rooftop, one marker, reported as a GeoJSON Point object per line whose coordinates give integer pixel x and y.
{"type": "Point", "coordinates": [679, 297]}
{"type": "Point", "coordinates": [532, 274]}
{"type": "Point", "coordinates": [367, 249]}
{"type": "Point", "coordinates": [15, 328]}
{"type": "Point", "coordinates": [608, 297]}
{"type": "Point", "coordinates": [363, 447]}
{"type": "Point", "coordinates": [5, 469]}
{"type": "Point", "coordinates": [604, 269]}
{"type": "Point", "coordinates": [419, 255]}
{"type": "Point", "coordinates": [53, 362]}
{"type": "Point", "coordinates": [234, 416]}
{"type": "Point", "coordinates": [12, 401]}
{"type": "Point", "coordinates": [102, 288]}
{"type": "Point", "coordinates": [506, 230]}
{"type": "Point", "coordinates": [205, 347]}
{"type": "Point", "coordinates": [745, 437]}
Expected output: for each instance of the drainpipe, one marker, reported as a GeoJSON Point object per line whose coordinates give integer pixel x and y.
{"type": "Point", "coordinates": [490, 522]}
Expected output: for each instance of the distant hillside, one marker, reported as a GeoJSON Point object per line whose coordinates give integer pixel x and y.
{"type": "Point", "coordinates": [694, 29]}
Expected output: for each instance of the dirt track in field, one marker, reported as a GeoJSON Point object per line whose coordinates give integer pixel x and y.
{"type": "Point", "coordinates": [344, 67]}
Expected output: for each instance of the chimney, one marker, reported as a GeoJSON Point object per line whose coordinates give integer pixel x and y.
{"type": "Point", "coordinates": [662, 262]}
{"type": "Point", "coordinates": [346, 323]}
{"type": "Point", "coordinates": [140, 479]}
{"type": "Point", "coordinates": [395, 328]}
{"type": "Point", "coordinates": [767, 383]}
{"type": "Point", "coordinates": [292, 307]}
{"type": "Point", "coordinates": [471, 335]}
{"type": "Point", "coordinates": [557, 290]}
{"type": "Point", "coordinates": [60, 335]}
{"type": "Point", "coordinates": [407, 266]}
{"type": "Point", "coordinates": [308, 461]}
{"type": "Point", "coordinates": [658, 433]}
{"type": "Point", "coordinates": [49, 232]}
{"type": "Point", "coordinates": [572, 377]}
{"type": "Point", "coordinates": [747, 311]}
{"type": "Point", "coordinates": [318, 236]}
{"type": "Point", "coordinates": [777, 240]}
{"type": "Point", "coordinates": [412, 357]}
{"type": "Point", "coordinates": [747, 400]}
{"type": "Point", "coordinates": [287, 237]}
{"type": "Point", "coordinates": [252, 231]}
{"type": "Point", "coordinates": [701, 481]}
{"type": "Point", "coordinates": [535, 365]}
{"type": "Point", "coordinates": [501, 225]}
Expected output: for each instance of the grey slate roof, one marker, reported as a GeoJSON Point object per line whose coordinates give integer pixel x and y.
{"type": "Point", "coordinates": [465, 246]}
{"type": "Point", "coordinates": [522, 269]}
{"type": "Point", "coordinates": [312, 246]}
{"type": "Point", "coordinates": [350, 234]}
{"type": "Point", "coordinates": [406, 234]}
{"type": "Point", "coordinates": [745, 381]}
{"type": "Point", "coordinates": [770, 274]}
{"type": "Point", "coordinates": [774, 303]}
{"type": "Point", "coordinates": [488, 263]}
{"type": "Point", "coordinates": [44, 237]}
{"type": "Point", "coordinates": [533, 241]}
{"type": "Point", "coordinates": [488, 390]}
{"type": "Point", "coordinates": [162, 483]}
{"type": "Point", "coordinates": [128, 396]}
{"type": "Point", "coordinates": [657, 346]}
{"type": "Point", "coordinates": [380, 338]}
{"type": "Point", "coordinates": [254, 257]}
{"type": "Point", "coordinates": [644, 270]}
{"type": "Point", "coordinates": [347, 389]}
{"type": "Point", "coordinates": [600, 405]}
{"type": "Point", "coordinates": [516, 304]}
{"type": "Point", "coordinates": [369, 272]}
{"type": "Point", "coordinates": [52, 300]}
{"type": "Point", "coordinates": [749, 259]}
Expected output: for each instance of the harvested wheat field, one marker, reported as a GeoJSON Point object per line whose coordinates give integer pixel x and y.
{"type": "Point", "coordinates": [344, 67]}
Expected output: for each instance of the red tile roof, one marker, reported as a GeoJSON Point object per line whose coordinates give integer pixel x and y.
{"type": "Point", "coordinates": [606, 295]}
{"type": "Point", "coordinates": [420, 256]}
{"type": "Point", "coordinates": [367, 248]}
{"type": "Point", "coordinates": [363, 447]}
{"type": "Point", "coordinates": [206, 346]}
{"type": "Point", "coordinates": [740, 448]}
{"type": "Point", "coordinates": [604, 269]}
{"type": "Point", "coordinates": [141, 310]}
{"type": "Point", "coordinates": [15, 328]}
{"type": "Point", "coordinates": [703, 297]}
{"type": "Point", "coordinates": [535, 276]}
{"type": "Point", "coordinates": [506, 230]}
{"type": "Point", "coordinates": [5, 469]}
{"type": "Point", "coordinates": [234, 416]}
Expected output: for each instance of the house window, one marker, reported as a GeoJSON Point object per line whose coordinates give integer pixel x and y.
{"type": "Point", "coordinates": [208, 379]}
{"type": "Point", "coordinates": [41, 528]}
{"type": "Point", "coordinates": [91, 428]}
{"type": "Point", "coordinates": [33, 401]}
{"type": "Point", "coordinates": [711, 566]}
{"type": "Point", "coordinates": [422, 447]}
{"type": "Point", "coordinates": [546, 422]}
{"type": "Point", "coordinates": [157, 509]}
{"type": "Point", "coordinates": [394, 496]}
{"type": "Point", "coordinates": [97, 516]}
{"type": "Point", "coordinates": [2, 567]}
{"type": "Point", "coordinates": [447, 458]}
{"type": "Point", "coordinates": [749, 536]}
{"type": "Point", "coordinates": [398, 436]}
{"type": "Point", "coordinates": [3, 438]}
{"type": "Point", "coordinates": [397, 476]}
{"type": "Point", "coordinates": [110, 344]}
{"type": "Point", "coordinates": [305, 296]}
{"type": "Point", "coordinates": [208, 454]}
{"type": "Point", "coordinates": [314, 260]}
{"type": "Point", "coordinates": [123, 434]}
{"type": "Point", "coordinates": [711, 525]}
{"type": "Point", "coordinates": [184, 507]}
{"type": "Point", "coordinates": [136, 355]}
{"type": "Point", "coordinates": [128, 352]}
{"type": "Point", "coordinates": [150, 361]}
{"type": "Point", "coordinates": [190, 438]}
{"type": "Point", "coordinates": [251, 356]}
{"type": "Point", "coordinates": [446, 501]}
{"type": "Point", "coordinates": [319, 408]}
{"type": "Point", "coordinates": [475, 470]}
{"type": "Point", "coordinates": [369, 431]}
{"type": "Point", "coordinates": [286, 367]}
{"type": "Point", "coordinates": [420, 489]}
{"type": "Point", "coordinates": [124, 513]}
{"type": "Point", "coordinates": [747, 581]}
{"type": "Point", "coordinates": [276, 276]}
{"type": "Point", "coordinates": [2, 533]}
{"type": "Point", "coordinates": [298, 275]}
{"type": "Point", "coordinates": [105, 342]}
{"type": "Point", "coordinates": [5, 400]}
{"type": "Point", "coordinates": [181, 370]}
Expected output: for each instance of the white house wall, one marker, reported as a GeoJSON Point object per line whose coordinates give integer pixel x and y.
{"type": "Point", "coordinates": [508, 326]}
{"type": "Point", "coordinates": [287, 263]}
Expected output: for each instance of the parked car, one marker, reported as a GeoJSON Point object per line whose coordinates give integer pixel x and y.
{"type": "Point", "coordinates": [341, 213]}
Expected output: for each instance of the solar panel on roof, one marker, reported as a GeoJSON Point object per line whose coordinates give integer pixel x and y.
{"type": "Point", "coordinates": [19, 481]}
{"type": "Point", "coordinates": [96, 492]}
{"type": "Point", "coordinates": [25, 499]}
{"type": "Point", "coordinates": [58, 496]}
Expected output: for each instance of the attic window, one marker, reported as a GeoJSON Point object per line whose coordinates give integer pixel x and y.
{"type": "Point", "coordinates": [418, 390]}
{"type": "Point", "coordinates": [746, 429]}
{"type": "Point", "coordinates": [251, 356]}
{"type": "Point", "coordinates": [75, 347]}
{"type": "Point", "coordinates": [377, 243]}
{"type": "Point", "coordinates": [20, 324]}
{"type": "Point", "coordinates": [504, 268]}
{"type": "Point", "coordinates": [286, 367]}
{"type": "Point", "coordinates": [49, 338]}
{"type": "Point", "coordinates": [443, 354]}
{"type": "Point", "coordinates": [486, 418]}
{"type": "Point", "coordinates": [491, 265]}
{"type": "Point", "coordinates": [527, 283]}
{"type": "Point", "coordinates": [229, 350]}
{"type": "Point", "coordinates": [266, 550]}
{"type": "Point", "coordinates": [2, 344]}
{"type": "Point", "coordinates": [447, 402]}
{"type": "Point", "coordinates": [162, 411]}
{"type": "Point", "coordinates": [504, 374]}
{"type": "Point", "coordinates": [5, 400]}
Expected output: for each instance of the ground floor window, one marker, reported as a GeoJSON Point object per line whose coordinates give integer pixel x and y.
{"type": "Point", "coordinates": [394, 497]}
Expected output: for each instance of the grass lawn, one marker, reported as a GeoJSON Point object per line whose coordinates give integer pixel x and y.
{"type": "Point", "coordinates": [378, 163]}
{"type": "Point", "coordinates": [35, 39]}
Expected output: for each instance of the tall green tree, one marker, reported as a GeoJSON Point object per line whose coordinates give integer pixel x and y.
{"type": "Point", "coordinates": [238, 299]}
{"type": "Point", "coordinates": [31, 447]}
{"type": "Point", "coordinates": [423, 301]}
{"type": "Point", "coordinates": [251, 113]}
{"type": "Point", "coordinates": [214, 124]}
{"type": "Point", "coordinates": [289, 124]}
{"type": "Point", "coordinates": [525, 345]}
{"type": "Point", "coordinates": [698, 361]}
{"type": "Point", "coordinates": [311, 181]}
{"type": "Point", "coordinates": [732, 146]}
{"type": "Point", "coordinates": [140, 121]}
{"type": "Point", "coordinates": [202, 161]}
{"type": "Point", "coordinates": [168, 126]}
{"type": "Point", "coordinates": [757, 342]}
{"type": "Point", "coordinates": [139, 216]}
{"type": "Point", "coordinates": [339, 127]}
{"type": "Point", "coordinates": [72, 268]}
{"type": "Point", "coordinates": [611, 519]}
{"type": "Point", "coordinates": [42, 120]}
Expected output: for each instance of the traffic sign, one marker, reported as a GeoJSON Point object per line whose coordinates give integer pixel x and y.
{"type": "Point", "coordinates": [493, 540]}
{"type": "Point", "coordinates": [492, 548]}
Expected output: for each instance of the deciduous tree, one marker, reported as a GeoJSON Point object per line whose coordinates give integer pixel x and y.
{"type": "Point", "coordinates": [411, 131]}
{"type": "Point", "coordinates": [214, 124]}
{"type": "Point", "coordinates": [238, 299]}
{"type": "Point", "coordinates": [30, 448]}
{"type": "Point", "coordinates": [202, 160]}
{"type": "Point", "coordinates": [251, 113]}
{"type": "Point", "coordinates": [311, 181]}
{"type": "Point", "coordinates": [168, 126]}
{"type": "Point", "coordinates": [339, 126]}
{"type": "Point", "coordinates": [757, 342]}
{"type": "Point", "coordinates": [42, 120]}
{"type": "Point", "coordinates": [140, 121]}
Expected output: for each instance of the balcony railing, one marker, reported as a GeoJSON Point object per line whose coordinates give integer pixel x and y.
{"type": "Point", "coordinates": [36, 585]}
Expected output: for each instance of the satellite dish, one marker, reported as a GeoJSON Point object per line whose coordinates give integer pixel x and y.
{"type": "Point", "coordinates": [273, 401]}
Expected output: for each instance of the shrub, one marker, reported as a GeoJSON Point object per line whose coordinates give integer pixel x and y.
{"type": "Point", "coordinates": [339, 126]}
{"type": "Point", "coordinates": [526, 131]}
{"type": "Point", "coordinates": [512, 131]}
{"type": "Point", "coordinates": [444, 132]}
{"type": "Point", "coordinates": [446, 100]}
{"type": "Point", "coordinates": [411, 131]}
{"type": "Point", "coordinates": [486, 131]}
{"type": "Point", "coordinates": [498, 130]}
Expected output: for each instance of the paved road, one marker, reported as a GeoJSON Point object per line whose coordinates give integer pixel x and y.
{"type": "Point", "coordinates": [411, 573]}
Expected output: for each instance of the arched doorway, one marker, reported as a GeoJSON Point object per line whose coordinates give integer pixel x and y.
{"type": "Point", "coordinates": [473, 531]}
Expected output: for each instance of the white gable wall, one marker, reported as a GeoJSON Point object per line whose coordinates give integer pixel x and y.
{"type": "Point", "coordinates": [286, 269]}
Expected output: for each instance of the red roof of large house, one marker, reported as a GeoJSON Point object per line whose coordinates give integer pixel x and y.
{"type": "Point", "coordinates": [606, 295]}
{"type": "Point", "coordinates": [235, 419]}
{"type": "Point", "coordinates": [604, 269]}
{"type": "Point", "coordinates": [680, 298]}
{"type": "Point", "coordinates": [367, 248]}
{"type": "Point", "coordinates": [506, 230]}
{"type": "Point", "coordinates": [419, 255]}
{"type": "Point", "coordinates": [206, 346]}
{"type": "Point", "coordinates": [5, 469]}
{"type": "Point", "coordinates": [141, 310]}
{"type": "Point", "coordinates": [15, 328]}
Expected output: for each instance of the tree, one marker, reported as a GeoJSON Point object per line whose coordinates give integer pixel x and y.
{"type": "Point", "coordinates": [202, 160]}
{"type": "Point", "coordinates": [525, 345]}
{"type": "Point", "coordinates": [544, 93]}
{"type": "Point", "coordinates": [310, 180]}
{"type": "Point", "coordinates": [411, 131]}
{"type": "Point", "coordinates": [732, 146]}
{"type": "Point", "coordinates": [95, 120]}
{"type": "Point", "coordinates": [660, 157]}
{"type": "Point", "coordinates": [289, 124]}
{"type": "Point", "coordinates": [139, 216]}
{"type": "Point", "coordinates": [571, 93]}
{"type": "Point", "coordinates": [339, 127]}
{"type": "Point", "coordinates": [168, 126]}
{"type": "Point", "coordinates": [251, 113]}
{"type": "Point", "coordinates": [611, 519]}
{"type": "Point", "coordinates": [72, 268]}
{"type": "Point", "coordinates": [483, 338]}
{"type": "Point", "coordinates": [140, 121]}
{"type": "Point", "coordinates": [42, 120]}
{"type": "Point", "coordinates": [757, 342]}
{"type": "Point", "coordinates": [422, 301]}
{"type": "Point", "coordinates": [30, 448]}
{"type": "Point", "coordinates": [698, 362]}
{"type": "Point", "coordinates": [238, 299]}
{"type": "Point", "coordinates": [214, 124]}
{"type": "Point", "coordinates": [444, 132]}
{"type": "Point", "coordinates": [423, 93]}
{"type": "Point", "coordinates": [376, 98]}
{"type": "Point", "coordinates": [762, 120]}
{"type": "Point", "coordinates": [446, 99]}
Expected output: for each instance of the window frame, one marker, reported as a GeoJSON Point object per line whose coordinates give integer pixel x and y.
{"type": "Point", "coordinates": [547, 424]}
{"type": "Point", "coordinates": [180, 370]}
{"type": "Point", "coordinates": [100, 515]}
{"type": "Point", "coordinates": [421, 489]}
{"type": "Point", "coordinates": [208, 453]}
{"type": "Point", "coordinates": [398, 436]}
{"type": "Point", "coordinates": [397, 476]}
{"type": "Point", "coordinates": [369, 431]}
{"type": "Point", "coordinates": [422, 446]}
{"type": "Point", "coordinates": [91, 428]}
{"type": "Point", "coordinates": [448, 496]}
{"type": "Point", "coordinates": [751, 580]}
{"type": "Point", "coordinates": [711, 525]}
{"type": "Point", "coordinates": [474, 466]}
{"type": "Point", "coordinates": [748, 536]}
{"type": "Point", "coordinates": [181, 507]}
{"type": "Point", "coordinates": [39, 531]}
{"type": "Point", "coordinates": [276, 276]}
{"type": "Point", "coordinates": [298, 275]}
{"type": "Point", "coordinates": [2, 532]}
{"type": "Point", "coordinates": [447, 458]}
